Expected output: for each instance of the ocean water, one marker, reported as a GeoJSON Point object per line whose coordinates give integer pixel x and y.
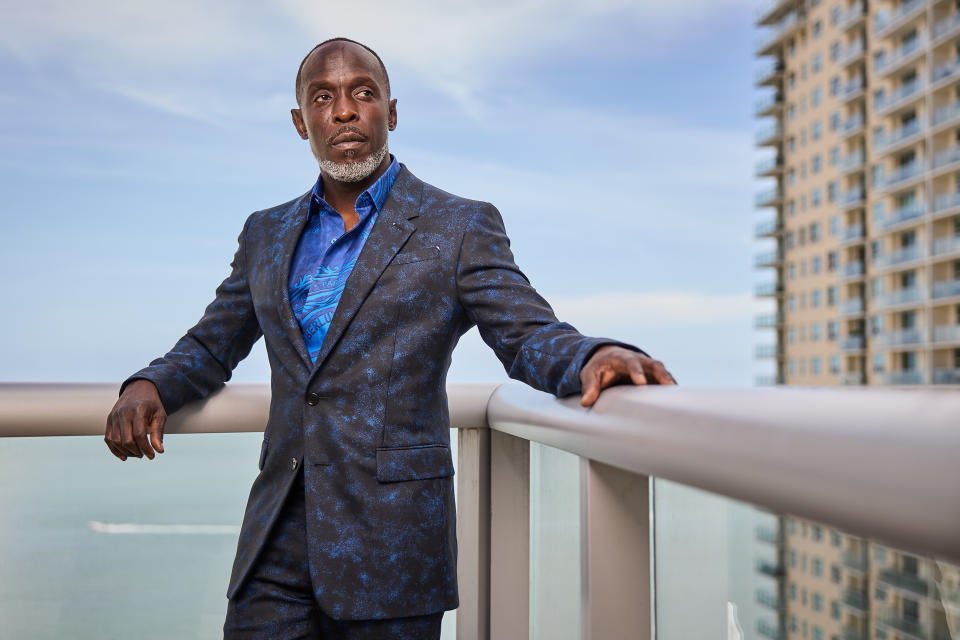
{"type": "Point", "coordinates": [67, 570]}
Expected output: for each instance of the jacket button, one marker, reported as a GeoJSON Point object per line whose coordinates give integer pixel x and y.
{"type": "Point", "coordinates": [313, 399]}
{"type": "Point", "coordinates": [293, 464]}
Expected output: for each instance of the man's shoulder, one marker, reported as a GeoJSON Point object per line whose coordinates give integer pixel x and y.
{"type": "Point", "coordinates": [278, 213]}
{"type": "Point", "coordinates": [434, 200]}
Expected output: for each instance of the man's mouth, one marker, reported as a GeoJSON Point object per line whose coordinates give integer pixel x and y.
{"type": "Point", "coordinates": [347, 138]}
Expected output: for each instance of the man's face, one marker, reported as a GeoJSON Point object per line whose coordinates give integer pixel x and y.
{"type": "Point", "coordinates": [345, 111]}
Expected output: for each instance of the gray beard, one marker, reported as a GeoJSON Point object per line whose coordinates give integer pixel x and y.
{"type": "Point", "coordinates": [353, 171]}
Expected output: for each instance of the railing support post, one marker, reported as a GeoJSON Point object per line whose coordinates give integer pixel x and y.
{"type": "Point", "coordinates": [509, 537]}
{"type": "Point", "coordinates": [615, 553]}
{"type": "Point", "coordinates": [473, 534]}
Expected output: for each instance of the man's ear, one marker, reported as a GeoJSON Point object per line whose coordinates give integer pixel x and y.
{"type": "Point", "coordinates": [297, 118]}
{"type": "Point", "coordinates": [392, 115]}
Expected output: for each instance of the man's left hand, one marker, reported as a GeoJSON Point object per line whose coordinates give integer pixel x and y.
{"type": "Point", "coordinates": [610, 365]}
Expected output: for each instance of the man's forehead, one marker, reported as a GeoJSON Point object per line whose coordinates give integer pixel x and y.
{"type": "Point", "coordinates": [333, 55]}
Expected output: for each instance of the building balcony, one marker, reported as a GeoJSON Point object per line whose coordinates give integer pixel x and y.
{"type": "Point", "coordinates": [946, 202]}
{"type": "Point", "coordinates": [899, 257]}
{"type": "Point", "coordinates": [905, 135]}
{"type": "Point", "coordinates": [908, 296]}
{"type": "Point", "coordinates": [899, 177]}
{"type": "Point", "coordinates": [901, 97]}
{"type": "Point", "coordinates": [894, 620]}
{"type": "Point", "coordinates": [851, 126]}
{"type": "Point", "coordinates": [768, 351]}
{"type": "Point", "coordinates": [769, 568]}
{"type": "Point", "coordinates": [887, 23]}
{"type": "Point", "coordinates": [851, 90]}
{"type": "Point", "coordinates": [767, 290]}
{"type": "Point", "coordinates": [769, 136]}
{"type": "Point", "coordinates": [899, 338]}
{"type": "Point", "coordinates": [766, 381]}
{"type": "Point", "coordinates": [770, 600]}
{"type": "Point", "coordinates": [907, 213]}
{"type": "Point", "coordinates": [946, 246]}
{"type": "Point", "coordinates": [946, 376]}
{"type": "Point", "coordinates": [768, 105]}
{"type": "Point", "coordinates": [770, 631]}
{"type": "Point", "coordinates": [852, 270]}
{"type": "Point", "coordinates": [768, 228]}
{"type": "Point", "coordinates": [851, 198]}
{"type": "Point", "coordinates": [853, 378]}
{"type": "Point", "coordinates": [946, 289]}
{"type": "Point", "coordinates": [768, 198]}
{"type": "Point", "coordinates": [856, 600]}
{"type": "Point", "coordinates": [851, 162]}
{"type": "Point", "coordinates": [855, 561]}
{"type": "Point", "coordinates": [946, 71]}
{"type": "Point", "coordinates": [850, 54]}
{"type": "Point", "coordinates": [946, 157]}
{"type": "Point", "coordinates": [768, 320]}
{"type": "Point", "coordinates": [946, 333]}
{"type": "Point", "coordinates": [769, 75]}
{"type": "Point", "coordinates": [852, 343]}
{"type": "Point", "coordinates": [768, 43]}
{"type": "Point", "coordinates": [852, 307]}
{"type": "Point", "coordinates": [946, 27]}
{"type": "Point", "coordinates": [902, 55]}
{"type": "Point", "coordinates": [768, 167]}
{"type": "Point", "coordinates": [769, 535]}
{"type": "Point", "coordinates": [848, 632]}
{"type": "Point", "coordinates": [850, 234]}
{"type": "Point", "coordinates": [902, 378]}
{"type": "Point", "coordinates": [768, 259]}
{"type": "Point", "coordinates": [946, 115]}
{"type": "Point", "coordinates": [850, 18]}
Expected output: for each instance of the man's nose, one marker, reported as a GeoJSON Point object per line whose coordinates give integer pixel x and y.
{"type": "Point", "coordinates": [345, 111]}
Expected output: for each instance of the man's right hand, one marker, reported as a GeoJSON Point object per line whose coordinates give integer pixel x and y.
{"type": "Point", "coordinates": [135, 425]}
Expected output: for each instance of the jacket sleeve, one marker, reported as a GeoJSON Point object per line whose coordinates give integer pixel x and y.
{"type": "Point", "coordinates": [513, 319]}
{"type": "Point", "coordinates": [204, 358]}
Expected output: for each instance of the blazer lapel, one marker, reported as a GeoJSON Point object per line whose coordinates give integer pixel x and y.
{"type": "Point", "coordinates": [390, 231]}
{"type": "Point", "coordinates": [289, 234]}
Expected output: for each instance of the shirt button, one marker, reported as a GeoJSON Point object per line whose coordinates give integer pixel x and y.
{"type": "Point", "coordinates": [313, 399]}
{"type": "Point", "coordinates": [293, 464]}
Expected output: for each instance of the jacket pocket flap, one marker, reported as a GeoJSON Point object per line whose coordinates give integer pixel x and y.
{"type": "Point", "coordinates": [417, 255]}
{"type": "Point", "coordinates": [414, 463]}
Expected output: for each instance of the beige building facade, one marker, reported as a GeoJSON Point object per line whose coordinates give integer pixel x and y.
{"type": "Point", "coordinates": [860, 132]}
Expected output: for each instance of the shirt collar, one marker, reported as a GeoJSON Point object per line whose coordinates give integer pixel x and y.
{"type": "Point", "coordinates": [376, 194]}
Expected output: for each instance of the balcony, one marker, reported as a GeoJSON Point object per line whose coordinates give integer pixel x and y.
{"type": "Point", "coordinates": [768, 259]}
{"type": "Point", "coordinates": [855, 599]}
{"type": "Point", "coordinates": [851, 90]}
{"type": "Point", "coordinates": [946, 157]}
{"type": "Point", "coordinates": [767, 289]}
{"type": "Point", "coordinates": [768, 198]}
{"type": "Point", "coordinates": [852, 307]}
{"type": "Point", "coordinates": [769, 135]}
{"type": "Point", "coordinates": [895, 620]}
{"type": "Point", "coordinates": [948, 245]}
{"type": "Point", "coordinates": [945, 71]}
{"type": "Point", "coordinates": [851, 126]}
{"type": "Point", "coordinates": [946, 27]}
{"type": "Point", "coordinates": [768, 105]}
{"type": "Point", "coordinates": [946, 114]}
{"type": "Point", "coordinates": [903, 96]}
{"type": "Point", "coordinates": [899, 257]}
{"type": "Point", "coordinates": [767, 381]}
{"type": "Point", "coordinates": [769, 535]}
{"type": "Point", "coordinates": [886, 143]}
{"type": "Point", "coordinates": [908, 296]}
{"type": "Point", "coordinates": [852, 270]}
{"type": "Point", "coordinates": [906, 213]}
{"type": "Point", "coordinates": [769, 600]}
{"type": "Point", "coordinates": [886, 23]}
{"type": "Point", "coordinates": [946, 376]}
{"type": "Point", "coordinates": [899, 338]}
{"type": "Point", "coordinates": [768, 167]}
{"type": "Point", "coordinates": [850, 54]}
{"type": "Point", "coordinates": [946, 289]}
{"type": "Point", "coordinates": [851, 234]}
{"type": "Point", "coordinates": [899, 176]}
{"type": "Point", "coordinates": [768, 74]}
{"type": "Point", "coordinates": [911, 50]}
{"type": "Point", "coordinates": [768, 320]}
{"type": "Point", "coordinates": [850, 18]}
{"type": "Point", "coordinates": [855, 561]}
{"type": "Point", "coordinates": [946, 333]}
{"type": "Point", "coordinates": [770, 455]}
{"type": "Point", "coordinates": [769, 568]}
{"type": "Point", "coordinates": [770, 631]}
{"type": "Point", "coordinates": [851, 162]}
{"type": "Point", "coordinates": [768, 228]}
{"type": "Point", "coordinates": [853, 378]}
{"type": "Point", "coordinates": [903, 378]}
{"type": "Point", "coordinates": [848, 632]}
{"type": "Point", "coordinates": [768, 351]}
{"type": "Point", "coordinates": [852, 343]}
{"type": "Point", "coordinates": [851, 198]}
{"type": "Point", "coordinates": [768, 43]}
{"type": "Point", "coordinates": [946, 202]}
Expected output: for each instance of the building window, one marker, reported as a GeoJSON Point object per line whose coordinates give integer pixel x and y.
{"type": "Point", "coordinates": [792, 335]}
{"type": "Point", "coordinates": [817, 567]}
{"type": "Point", "coordinates": [881, 594]}
{"type": "Point", "coordinates": [793, 559]}
{"type": "Point", "coordinates": [836, 539]}
{"type": "Point", "coordinates": [834, 225]}
{"type": "Point", "coordinates": [815, 164]}
{"type": "Point", "coordinates": [816, 130]}
{"type": "Point", "coordinates": [834, 365]}
{"type": "Point", "coordinates": [816, 97]}
{"type": "Point", "coordinates": [815, 231]}
{"type": "Point", "coordinates": [832, 261]}
{"type": "Point", "coordinates": [831, 295]}
{"type": "Point", "coordinates": [878, 363]}
{"type": "Point", "coordinates": [834, 85]}
{"type": "Point", "coordinates": [817, 30]}
{"type": "Point", "coordinates": [835, 576]}
{"type": "Point", "coordinates": [816, 264]}
{"type": "Point", "coordinates": [793, 591]}
{"type": "Point", "coordinates": [817, 533]}
{"type": "Point", "coordinates": [880, 554]}
{"type": "Point", "coordinates": [791, 366]}
{"type": "Point", "coordinates": [792, 271]}
{"type": "Point", "coordinates": [832, 330]}
{"type": "Point", "coordinates": [791, 303]}
{"type": "Point", "coordinates": [817, 63]}
{"type": "Point", "coordinates": [817, 602]}
{"type": "Point", "coordinates": [815, 365]}
{"type": "Point", "coordinates": [835, 610]}
{"type": "Point", "coordinates": [817, 633]}
{"type": "Point", "coordinates": [815, 299]}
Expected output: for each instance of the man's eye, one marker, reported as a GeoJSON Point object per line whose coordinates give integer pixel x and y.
{"type": "Point", "coordinates": [365, 92]}
{"type": "Point", "coordinates": [321, 97]}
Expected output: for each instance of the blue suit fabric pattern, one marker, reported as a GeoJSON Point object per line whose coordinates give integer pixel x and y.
{"type": "Point", "coordinates": [326, 253]}
{"type": "Point", "coordinates": [366, 420]}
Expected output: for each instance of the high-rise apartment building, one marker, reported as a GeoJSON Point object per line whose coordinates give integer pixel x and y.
{"type": "Point", "coordinates": [861, 113]}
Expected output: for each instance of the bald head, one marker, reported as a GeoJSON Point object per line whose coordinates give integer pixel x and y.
{"type": "Point", "coordinates": [340, 44]}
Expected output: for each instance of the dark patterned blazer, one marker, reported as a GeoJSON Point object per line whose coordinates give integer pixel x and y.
{"type": "Point", "coordinates": [369, 421]}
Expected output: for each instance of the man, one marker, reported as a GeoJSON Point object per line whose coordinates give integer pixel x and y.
{"type": "Point", "coordinates": [361, 288]}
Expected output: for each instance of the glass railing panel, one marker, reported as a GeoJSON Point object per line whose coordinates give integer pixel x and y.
{"type": "Point", "coordinates": [554, 544]}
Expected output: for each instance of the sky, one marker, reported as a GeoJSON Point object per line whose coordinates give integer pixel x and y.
{"type": "Point", "coordinates": [615, 137]}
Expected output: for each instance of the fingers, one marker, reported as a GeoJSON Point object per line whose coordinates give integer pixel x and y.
{"type": "Point", "coordinates": [591, 387]}
{"type": "Point", "coordinates": [156, 431]}
{"type": "Point", "coordinates": [111, 438]}
{"type": "Point", "coordinates": [637, 376]}
{"type": "Point", "coordinates": [660, 374]}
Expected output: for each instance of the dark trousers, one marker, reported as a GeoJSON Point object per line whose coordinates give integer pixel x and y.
{"type": "Point", "coordinates": [277, 603]}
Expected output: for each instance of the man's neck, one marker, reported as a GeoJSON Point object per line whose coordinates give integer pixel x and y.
{"type": "Point", "coordinates": [342, 196]}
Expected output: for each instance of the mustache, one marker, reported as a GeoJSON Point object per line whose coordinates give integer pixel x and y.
{"type": "Point", "coordinates": [345, 129]}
